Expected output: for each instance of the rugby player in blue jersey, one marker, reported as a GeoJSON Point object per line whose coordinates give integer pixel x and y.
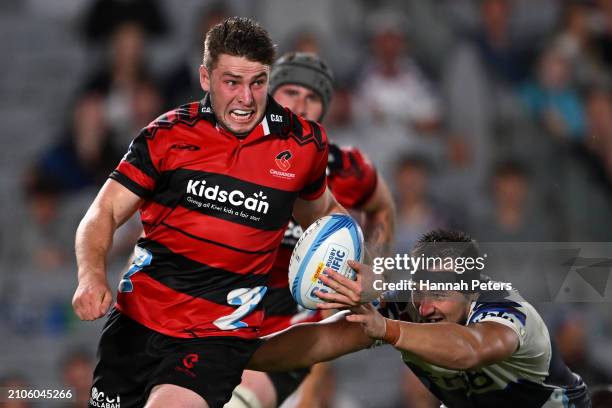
{"type": "Point", "coordinates": [470, 349]}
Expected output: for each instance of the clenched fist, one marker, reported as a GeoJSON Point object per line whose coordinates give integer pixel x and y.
{"type": "Point", "coordinates": [92, 298]}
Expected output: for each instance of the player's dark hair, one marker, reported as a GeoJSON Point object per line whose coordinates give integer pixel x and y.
{"type": "Point", "coordinates": [238, 37]}
{"type": "Point", "coordinates": [446, 243]}
{"type": "Point", "coordinates": [443, 244]}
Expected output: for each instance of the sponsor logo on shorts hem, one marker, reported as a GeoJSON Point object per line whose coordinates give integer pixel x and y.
{"type": "Point", "coordinates": [99, 399]}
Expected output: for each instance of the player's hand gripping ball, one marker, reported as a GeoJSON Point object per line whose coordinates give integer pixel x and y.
{"type": "Point", "coordinates": [328, 243]}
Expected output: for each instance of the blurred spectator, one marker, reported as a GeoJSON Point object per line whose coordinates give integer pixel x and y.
{"type": "Point", "coordinates": [340, 122]}
{"type": "Point", "coordinates": [125, 30]}
{"type": "Point", "coordinates": [416, 211]}
{"type": "Point", "coordinates": [14, 381]}
{"type": "Point", "coordinates": [146, 104]}
{"type": "Point", "coordinates": [118, 80]}
{"type": "Point", "coordinates": [305, 40]}
{"type": "Point", "coordinates": [396, 107]}
{"type": "Point", "coordinates": [504, 57]}
{"type": "Point", "coordinates": [393, 87]}
{"type": "Point", "coordinates": [599, 130]}
{"type": "Point", "coordinates": [341, 113]}
{"type": "Point", "coordinates": [571, 338]}
{"type": "Point", "coordinates": [182, 83]}
{"type": "Point", "coordinates": [587, 174]}
{"type": "Point", "coordinates": [104, 16]}
{"type": "Point", "coordinates": [82, 158]}
{"type": "Point", "coordinates": [575, 42]}
{"type": "Point", "coordinates": [45, 247]}
{"type": "Point", "coordinates": [84, 155]}
{"type": "Point", "coordinates": [479, 83]}
{"type": "Point", "coordinates": [601, 396]}
{"type": "Point", "coordinates": [602, 42]}
{"type": "Point", "coordinates": [512, 216]}
{"type": "Point", "coordinates": [77, 374]}
{"type": "Point", "coordinates": [552, 101]}
{"type": "Point", "coordinates": [455, 182]}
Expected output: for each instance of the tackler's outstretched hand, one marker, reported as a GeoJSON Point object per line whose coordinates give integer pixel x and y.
{"type": "Point", "coordinates": [348, 293]}
{"type": "Point", "coordinates": [372, 322]}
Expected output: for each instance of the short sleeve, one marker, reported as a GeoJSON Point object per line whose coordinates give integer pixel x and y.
{"type": "Point", "coordinates": [317, 182]}
{"type": "Point", "coordinates": [136, 170]}
{"type": "Point", "coordinates": [352, 177]}
{"type": "Point", "coordinates": [508, 314]}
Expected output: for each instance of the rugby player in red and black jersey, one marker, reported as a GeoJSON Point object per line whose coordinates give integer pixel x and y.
{"type": "Point", "coordinates": [214, 208]}
{"type": "Point", "coordinates": [302, 82]}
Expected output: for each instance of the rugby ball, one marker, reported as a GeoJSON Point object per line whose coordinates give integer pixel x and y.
{"type": "Point", "coordinates": [328, 243]}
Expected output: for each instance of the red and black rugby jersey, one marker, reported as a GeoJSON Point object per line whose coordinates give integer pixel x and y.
{"type": "Point", "coordinates": [352, 179]}
{"type": "Point", "coordinates": [216, 209]}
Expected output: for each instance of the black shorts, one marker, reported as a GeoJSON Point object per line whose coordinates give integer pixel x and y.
{"type": "Point", "coordinates": [132, 359]}
{"type": "Point", "coordinates": [287, 382]}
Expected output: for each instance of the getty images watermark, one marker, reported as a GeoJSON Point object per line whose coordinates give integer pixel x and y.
{"type": "Point", "coordinates": [468, 270]}
{"type": "Point", "coordinates": [540, 271]}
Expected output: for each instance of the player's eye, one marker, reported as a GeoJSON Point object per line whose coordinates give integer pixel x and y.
{"type": "Point", "coordinates": [230, 82]}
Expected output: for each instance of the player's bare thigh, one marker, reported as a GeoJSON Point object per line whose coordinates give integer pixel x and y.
{"type": "Point", "coordinates": [170, 395]}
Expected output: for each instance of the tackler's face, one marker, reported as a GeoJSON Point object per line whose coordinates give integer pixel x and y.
{"type": "Point", "coordinates": [300, 100]}
{"type": "Point", "coordinates": [238, 90]}
{"type": "Point", "coordinates": [436, 306]}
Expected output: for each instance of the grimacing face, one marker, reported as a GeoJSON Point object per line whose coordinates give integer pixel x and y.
{"type": "Point", "coordinates": [238, 90]}
{"type": "Point", "coordinates": [300, 100]}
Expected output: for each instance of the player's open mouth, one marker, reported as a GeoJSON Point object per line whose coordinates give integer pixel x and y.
{"type": "Point", "coordinates": [435, 319]}
{"type": "Point", "coordinates": [240, 115]}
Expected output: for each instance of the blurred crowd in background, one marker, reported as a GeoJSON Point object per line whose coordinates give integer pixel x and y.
{"type": "Point", "coordinates": [489, 116]}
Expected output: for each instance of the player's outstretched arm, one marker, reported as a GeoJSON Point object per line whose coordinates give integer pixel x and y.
{"type": "Point", "coordinates": [448, 345]}
{"type": "Point", "coordinates": [305, 344]}
{"type": "Point", "coordinates": [380, 219]}
{"type": "Point", "coordinates": [111, 208]}
{"type": "Point", "coordinates": [308, 211]}
{"type": "Point", "coordinates": [458, 347]}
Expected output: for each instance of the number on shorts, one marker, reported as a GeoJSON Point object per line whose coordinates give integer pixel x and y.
{"type": "Point", "coordinates": [247, 299]}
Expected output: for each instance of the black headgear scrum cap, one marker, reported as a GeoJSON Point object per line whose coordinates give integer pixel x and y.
{"type": "Point", "coordinates": [306, 69]}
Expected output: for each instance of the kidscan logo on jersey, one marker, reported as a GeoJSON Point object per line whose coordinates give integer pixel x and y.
{"type": "Point", "coordinates": [257, 202]}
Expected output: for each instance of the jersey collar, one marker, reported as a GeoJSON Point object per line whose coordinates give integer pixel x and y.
{"type": "Point", "coordinates": [276, 119]}
{"type": "Point", "coordinates": [205, 110]}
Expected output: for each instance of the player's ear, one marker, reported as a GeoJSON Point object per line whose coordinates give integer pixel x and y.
{"type": "Point", "coordinates": [204, 78]}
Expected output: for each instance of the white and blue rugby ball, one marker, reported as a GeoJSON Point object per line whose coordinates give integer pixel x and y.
{"type": "Point", "coordinates": [328, 243]}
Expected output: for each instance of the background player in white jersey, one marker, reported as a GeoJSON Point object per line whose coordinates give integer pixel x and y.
{"type": "Point", "coordinates": [470, 349]}
{"type": "Point", "coordinates": [302, 82]}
